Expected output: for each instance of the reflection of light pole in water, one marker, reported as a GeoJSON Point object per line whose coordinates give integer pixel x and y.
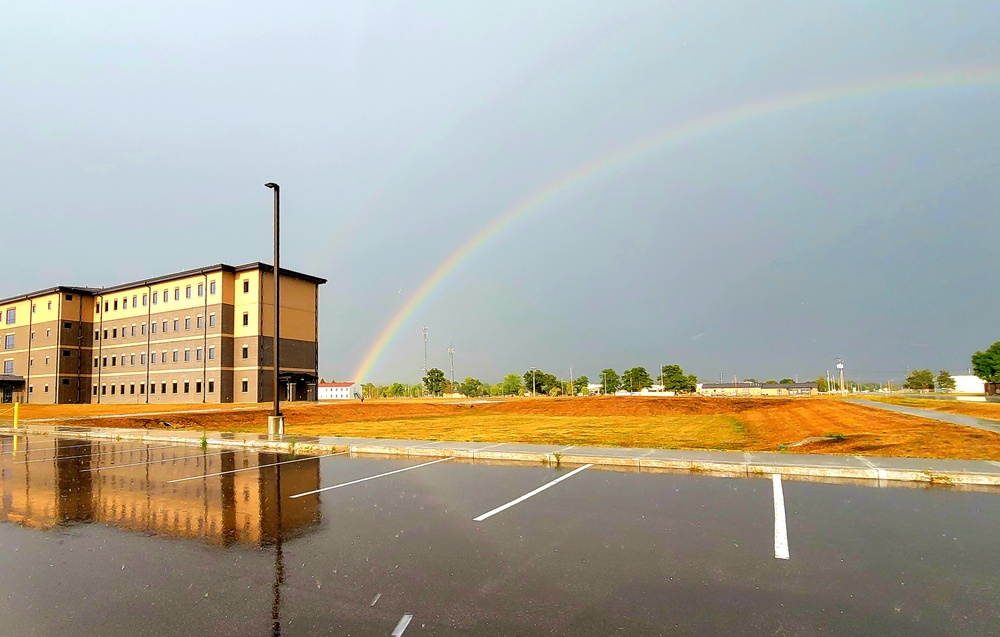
{"type": "Point", "coordinates": [279, 565]}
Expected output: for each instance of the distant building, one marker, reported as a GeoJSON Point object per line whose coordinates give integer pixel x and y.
{"type": "Point", "coordinates": [202, 335]}
{"type": "Point", "coordinates": [339, 391]}
{"type": "Point", "coordinates": [758, 389]}
{"type": "Point", "coordinates": [969, 384]}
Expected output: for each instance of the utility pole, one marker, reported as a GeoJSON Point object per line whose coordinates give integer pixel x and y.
{"type": "Point", "coordinates": [572, 387]}
{"type": "Point", "coordinates": [424, 370]}
{"type": "Point", "coordinates": [840, 366]}
{"type": "Point", "coordinates": [533, 381]}
{"type": "Point", "coordinates": [276, 422]}
{"type": "Point", "coordinates": [451, 350]}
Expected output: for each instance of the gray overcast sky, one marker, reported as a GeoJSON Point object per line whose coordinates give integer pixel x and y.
{"type": "Point", "coordinates": [135, 139]}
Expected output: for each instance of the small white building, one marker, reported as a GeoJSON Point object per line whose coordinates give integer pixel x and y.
{"type": "Point", "coordinates": [338, 391]}
{"type": "Point", "coordinates": [968, 384]}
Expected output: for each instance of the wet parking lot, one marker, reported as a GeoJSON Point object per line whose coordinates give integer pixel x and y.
{"type": "Point", "coordinates": [125, 538]}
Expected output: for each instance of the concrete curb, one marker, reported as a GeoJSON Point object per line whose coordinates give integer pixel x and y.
{"type": "Point", "coordinates": [720, 468]}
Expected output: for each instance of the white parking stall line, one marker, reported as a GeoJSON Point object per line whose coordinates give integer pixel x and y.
{"type": "Point", "coordinates": [160, 461]}
{"type": "Point", "coordinates": [99, 453]}
{"type": "Point", "coordinates": [381, 475]}
{"type": "Point", "coordinates": [256, 466]}
{"type": "Point", "coordinates": [46, 448]}
{"type": "Point", "coordinates": [401, 626]}
{"type": "Point", "coordinates": [531, 493]}
{"type": "Point", "coordinates": [780, 532]}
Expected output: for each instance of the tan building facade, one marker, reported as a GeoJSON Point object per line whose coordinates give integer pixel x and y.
{"type": "Point", "coordinates": [203, 335]}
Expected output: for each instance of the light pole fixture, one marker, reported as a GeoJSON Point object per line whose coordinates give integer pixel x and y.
{"type": "Point", "coordinates": [276, 422]}
{"type": "Point", "coordinates": [533, 381]}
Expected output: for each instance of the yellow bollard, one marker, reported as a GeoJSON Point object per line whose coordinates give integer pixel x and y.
{"type": "Point", "coordinates": [15, 414]}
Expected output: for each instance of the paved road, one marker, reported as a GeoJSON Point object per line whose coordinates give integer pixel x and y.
{"type": "Point", "coordinates": [108, 545]}
{"type": "Point", "coordinates": [942, 416]}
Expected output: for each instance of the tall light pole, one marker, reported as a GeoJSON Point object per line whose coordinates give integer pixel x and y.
{"type": "Point", "coordinates": [276, 422]}
{"type": "Point", "coordinates": [533, 381]}
{"type": "Point", "coordinates": [840, 366]}
{"type": "Point", "coordinates": [451, 350]}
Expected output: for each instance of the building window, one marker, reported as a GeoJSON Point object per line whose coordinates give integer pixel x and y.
{"type": "Point", "coordinates": [46, 360]}
{"type": "Point", "coordinates": [156, 298]}
{"type": "Point", "coordinates": [96, 362]}
{"type": "Point", "coordinates": [65, 352]}
{"type": "Point", "coordinates": [163, 357]}
{"type": "Point", "coordinates": [211, 353]}
{"type": "Point", "coordinates": [131, 389]}
{"type": "Point", "coordinates": [31, 362]}
{"type": "Point", "coordinates": [187, 322]}
{"type": "Point", "coordinates": [152, 388]}
{"type": "Point", "coordinates": [8, 341]}
{"type": "Point", "coordinates": [105, 335]}
{"type": "Point", "coordinates": [33, 308]}
{"type": "Point", "coordinates": [187, 387]}
{"type": "Point", "coordinates": [197, 386]}
{"type": "Point", "coordinates": [211, 386]}
{"type": "Point", "coordinates": [48, 333]}
{"type": "Point", "coordinates": [173, 387]}
{"type": "Point", "coordinates": [187, 356]}
{"type": "Point", "coordinates": [97, 335]}
{"type": "Point", "coordinates": [142, 388]}
{"type": "Point", "coordinates": [145, 302]}
{"type": "Point", "coordinates": [246, 286]}
{"type": "Point", "coordinates": [123, 389]}
{"type": "Point", "coordinates": [45, 389]}
{"type": "Point", "coordinates": [152, 358]}
{"type": "Point", "coordinates": [11, 315]}
{"type": "Point", "coordinates": [211, 320]}
{"type": "Point", "coordinates": [113, 359]}
{"type": "Point", "coordinates": [135, 300]}
{"type": "Point", "coordinates": [50, 305]}
{"type": "Point", "coordinates": [104, 362]}
{"type": "Point", "coordinates": [177, 325]}
{"type": "Point", "coordinates": [69, 297]}
{"type": "Point", "coordinates": [201, 289]}
{"type": "Point", "coordinates": [67, 326]}
{"type": "Point", "coordinates": [142, 329]}
{"type": "Point", "coordinates": [125, 303]}
{"type": "Point", "coordinates": [95, 390]}
{"type": "Point", "coordinates": [112, 390]}
{"type": "Point", "coordinates": [197, 354]}
{"type": "Point", "coordinates": [65, 381]}
{"type": "Point", "coordinates": [246, 318]}
{"type": "Point", "coordinates": [104, 390]}
{"type": "Point", "coordinates": [187, 295]}
{"type": "Point", "coordinates": [114, 332]}
{"type": "Point", "coordinates": [201, 321]}
{"type": "Point", "coordinates": [142, 359]}
{"type": "Point", "coordinates": [163, 387]}
{"type": "Point", "coordinates": [211, 287]}
{"type": "Point", "coordinates": [166, 298]}
{"type": "Point", "coordinates": [8, 367]}
{"type": "Point", "coordinates": [177, 297]}
{"type": "Point", "coordinates": [32, 334]}
{"type": "Point", "coordinates": [116, 304]}
{"type": "Point", "coordinates": [152, 328]}
{"type": "Point", "coordinates": [105, 305]}
{"type": "Point", "coordinates": [131, 359]}
{"type": "Point", "coordinates": [175, 355]}
{"type": "Point", "coordinates": [164, 327]}
{"type": "Point", "coordinates": [245, 386]}
{"type": "Point", "coordinates": [133, 330]}
{"type": "Point", "coordinates": [246, 352]}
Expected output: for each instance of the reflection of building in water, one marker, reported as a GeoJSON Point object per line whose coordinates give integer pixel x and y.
{"type": "Point", "coordinates": [60, 483]}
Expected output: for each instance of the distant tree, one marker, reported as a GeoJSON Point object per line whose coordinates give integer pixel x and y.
{"type": "Point", "coordinates": [435, 382]}
{"type": "Point", "coordinates": [673, 379]}
{"type": "Point", "coordinates": [610, 380]}
{"type": "Point", "coordinates": [986, 365]}
{"type": "Point", "coordinates": [945, 381]}
{"type": "Point", "coordinates": [823, 386]}
{"type": "Point", "coordinates": [369, 390]}
{"type": "Point", "coordinates": [920, 379]}
{"type": "Point", "coordinates": [771, 382]}
{"type": "Point", "coordinates": [787, 381]}
{"type": "Point", "coordinates": [511, 385]}
{"type": "Point", "coordinates": [635, 379]}
{"type": "Point", "coordinates": [543, 382]}
{"type": "Point", "coordinates": [395, 390]}
{"type": "Point", "coordinates": [580, 384]}
{"type": "Point", "coordinates": [750, 380]}
{"type": "Point", "coordinates": [472, 387]}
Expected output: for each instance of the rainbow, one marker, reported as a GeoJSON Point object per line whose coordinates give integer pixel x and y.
{"type": "Point", "coordinates": [671, 135]}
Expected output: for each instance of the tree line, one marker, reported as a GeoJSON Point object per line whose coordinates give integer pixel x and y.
{"type": "Point", "coordinates": [539, 382]}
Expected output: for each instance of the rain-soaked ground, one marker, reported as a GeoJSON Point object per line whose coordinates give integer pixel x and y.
{"type": "Point", "coordinates": [123, 538]}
